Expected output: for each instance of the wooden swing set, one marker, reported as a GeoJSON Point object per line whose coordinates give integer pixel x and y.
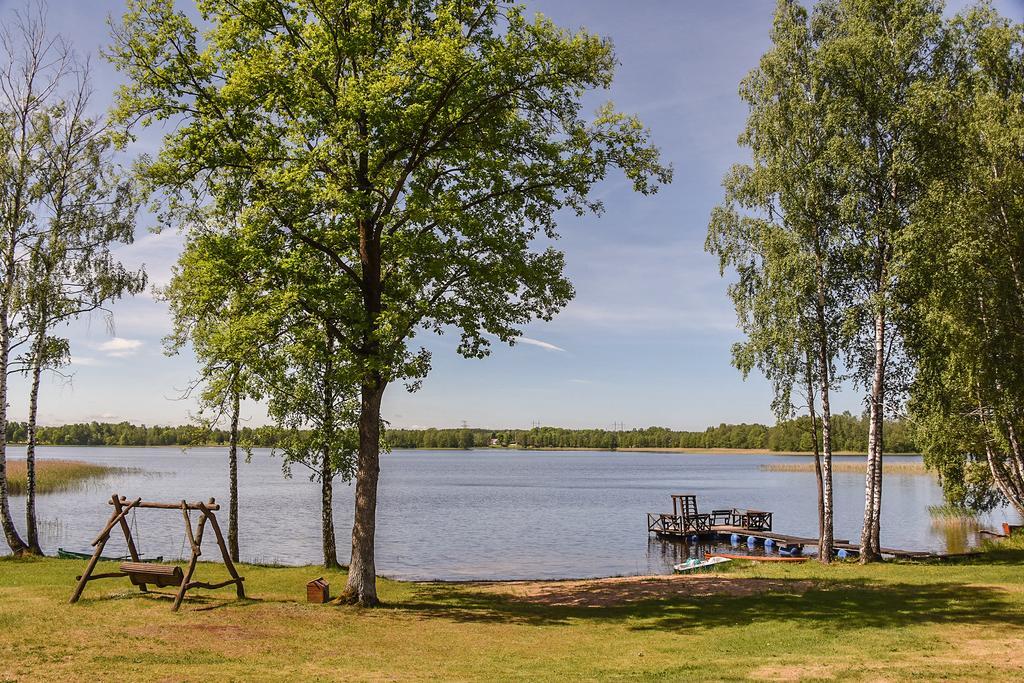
{"type": "Point", "coordinates": [142, 573]}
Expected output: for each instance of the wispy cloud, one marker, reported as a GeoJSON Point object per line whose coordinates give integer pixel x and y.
{"type": "Point", "coordinates": [542, 344]}
{"type": "Point", "coordinates": [106, 417]}
{"type": "Point", "coordinates": [582, 381]}
{"type": "Point", "coordinates": [85, 361]}
{"type": "Point", "coordinates": [119, 347]}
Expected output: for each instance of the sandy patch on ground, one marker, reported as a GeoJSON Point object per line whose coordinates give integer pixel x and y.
{"type": "Point", "coordinates": [624, 590]}
{"type": "Point", "coordinates": [782, 671]}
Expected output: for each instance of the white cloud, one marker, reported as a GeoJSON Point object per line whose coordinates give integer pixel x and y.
{"type": "Point", "coordinates": [118, 347]}
{"type": "Point", "coordinates": [85, 361]}
{"type": "Point", "coordinates": [542, 344]}
{"type": "Point", "coordinates": [582, 381]}
{"type": "Point", "coordinates": [103, 417]}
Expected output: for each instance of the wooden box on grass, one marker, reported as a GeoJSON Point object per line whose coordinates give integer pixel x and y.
{"type": "Point", "coordinates": [318, 591]}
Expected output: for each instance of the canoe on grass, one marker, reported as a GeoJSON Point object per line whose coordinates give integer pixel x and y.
{"type": "Point", "coordinates": [759, 558]}
{"type": "Point", "coordinates": [74, 555]}
{"type": "Point", "coordinates": [695, 565]}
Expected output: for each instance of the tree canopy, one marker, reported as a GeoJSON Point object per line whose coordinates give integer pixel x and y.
{"type": "Point", "coordinates": [393, 168]}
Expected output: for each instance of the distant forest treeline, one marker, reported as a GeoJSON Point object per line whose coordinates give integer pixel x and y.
{"type": "Point", "coordinates": [850, 433]}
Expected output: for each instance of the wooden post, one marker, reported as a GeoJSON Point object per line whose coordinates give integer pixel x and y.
{"type": "Point", "coordinates": [116, 500]}
{"type": "Point", "coordinates": [114, 518]}
{"type": "Point", "coordinates": [84, 579]}
{"type": "Point", "coordinates": [101, 541]}
{"type": "Point", "coordinates": [239, 589]}
{"type": "Point", "coordinates": [196, 541]}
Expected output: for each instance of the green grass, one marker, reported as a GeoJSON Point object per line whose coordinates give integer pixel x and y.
{"type": "Point", "coordinates": [54, 475]}
{"type": "Point", "coordinates": [894, 622]}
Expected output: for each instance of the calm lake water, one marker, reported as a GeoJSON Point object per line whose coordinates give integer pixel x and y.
{"type": "Point", "coordinates": [481, 514]}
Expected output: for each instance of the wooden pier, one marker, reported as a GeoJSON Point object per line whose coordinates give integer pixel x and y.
{"type": "Point", "coordinates": [685, 522]}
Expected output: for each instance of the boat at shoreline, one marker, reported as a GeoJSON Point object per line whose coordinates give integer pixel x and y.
{"type": "Point", "coordinates": [757, 558]}
{"type": "Point", "coordinates": [75, 555]}
{"type": "Point", "coordinates": [694, 564]}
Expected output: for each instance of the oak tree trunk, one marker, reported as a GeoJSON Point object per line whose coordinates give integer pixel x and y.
{"type": "Point", "coordinates": [362, 572]}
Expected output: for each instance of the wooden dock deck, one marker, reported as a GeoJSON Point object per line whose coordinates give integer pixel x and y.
{"type": "Point", "coordinates": [684, 522]}
{"type": "Point", "coordinates": [726, 531]}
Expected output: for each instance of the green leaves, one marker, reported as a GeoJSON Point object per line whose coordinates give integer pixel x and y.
{"type": "Point", "coordinates": [778, 227]}
{"type": "Point", "coordinates": [415, 148]}
{"type": "Point", "coordinates": [964, 295]}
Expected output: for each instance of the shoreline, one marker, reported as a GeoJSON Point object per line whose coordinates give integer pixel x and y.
{"type": "Point", "coordinates": [632, 449]}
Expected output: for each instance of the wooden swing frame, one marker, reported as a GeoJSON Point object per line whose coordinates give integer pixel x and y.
{"type": "Point", "coordinates": [160, 574]}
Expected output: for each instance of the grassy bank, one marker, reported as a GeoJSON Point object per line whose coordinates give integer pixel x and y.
{"type": "Point", "coordinates": [54, 475]}
{"type": "Point", "coordinates": [887, 622]}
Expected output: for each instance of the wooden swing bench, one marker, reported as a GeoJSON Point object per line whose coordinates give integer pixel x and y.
{"type": "Point", "coordinates": [143, 574]}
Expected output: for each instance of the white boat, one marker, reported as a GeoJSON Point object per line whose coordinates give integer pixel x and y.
{"type": "Point", "coordinates": [695, 564]}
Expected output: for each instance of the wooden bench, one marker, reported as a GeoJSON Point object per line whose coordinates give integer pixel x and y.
{"type": "Point", "coordinates": [162, 575]}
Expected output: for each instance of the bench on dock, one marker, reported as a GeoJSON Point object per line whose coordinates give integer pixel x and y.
{"type": "Point", "coordinates": [684, 519]}
{"type": "Point", "coordinates": [752, 520]}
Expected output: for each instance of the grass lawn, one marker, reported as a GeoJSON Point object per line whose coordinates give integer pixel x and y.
{"type": "Point", "coordinates": [960, 621]}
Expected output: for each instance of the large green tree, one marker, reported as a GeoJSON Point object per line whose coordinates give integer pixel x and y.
{"type": "Point", "coordinates": [965, 292]}
{"type": "Point", "coordinates": [399, 163]}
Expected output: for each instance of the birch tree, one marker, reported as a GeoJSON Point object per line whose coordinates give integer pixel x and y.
{"type": "Point", "coordinates": [231, 306]}
{"type": "Point", "coordinates": [214, 321]}
{"type": "Point", "coordinates": [881, 64]}
{"type": "Point", "coordinates": [779, 229]}
{"type": "Point", "coordinates": [86, 208]}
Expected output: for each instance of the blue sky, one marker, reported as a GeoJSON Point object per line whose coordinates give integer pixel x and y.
{"type": "Point", "coordinates": [647, 339]}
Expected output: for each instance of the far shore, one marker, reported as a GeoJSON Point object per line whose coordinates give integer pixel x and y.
{"type": "Point", "coordinates": [668, 449]}
{"type": "Point", "coordinates": [640, 449]}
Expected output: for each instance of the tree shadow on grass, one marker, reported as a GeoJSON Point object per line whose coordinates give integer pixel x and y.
{"type": "Point", "coordinates": [193, 602]}
{"type": "Point", "coordinates": [997, 554]}
{"type": "Point", "coordinates": [848, 605]}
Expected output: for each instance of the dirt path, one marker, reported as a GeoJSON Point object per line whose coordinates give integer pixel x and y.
{"type": "Point", "coordinates": [624, 590]}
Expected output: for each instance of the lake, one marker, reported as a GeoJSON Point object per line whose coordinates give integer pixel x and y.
{"type": "Point", "coordinates": [482, 514]}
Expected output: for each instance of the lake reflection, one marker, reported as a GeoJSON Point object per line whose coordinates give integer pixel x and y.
{"type": "Point", "coordinates": [483, 514]}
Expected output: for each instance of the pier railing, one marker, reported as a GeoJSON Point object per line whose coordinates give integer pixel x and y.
{"type": "Point", "coordinates": [664, 523]}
